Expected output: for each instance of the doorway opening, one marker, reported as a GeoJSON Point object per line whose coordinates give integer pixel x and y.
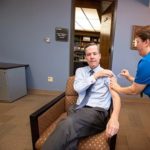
{"type": "Point", "coordinates": [87, 14]}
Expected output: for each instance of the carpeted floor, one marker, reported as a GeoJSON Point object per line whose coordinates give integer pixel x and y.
{"type": "Point", "coordinates": [134, 133]}
{"type": "Point", "coordinates": [15, 124]}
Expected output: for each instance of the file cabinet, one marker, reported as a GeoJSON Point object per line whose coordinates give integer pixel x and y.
{"type": "Point", "coordinates": [12, 82]}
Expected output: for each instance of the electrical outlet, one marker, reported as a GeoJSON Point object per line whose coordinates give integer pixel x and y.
{"type": "Point", "coordinates": [50, 79]}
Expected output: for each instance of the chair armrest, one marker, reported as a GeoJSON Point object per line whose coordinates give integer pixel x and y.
{"type": "Point", "coordinates": [45, 116]}
{"type": "Point", "coordinates": [112, 142]}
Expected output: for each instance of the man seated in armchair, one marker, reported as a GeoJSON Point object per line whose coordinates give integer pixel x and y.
{"type": "Point", "coordinates": [89, 115]}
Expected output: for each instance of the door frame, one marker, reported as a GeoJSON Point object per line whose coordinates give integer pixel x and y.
{"type": "Point", "coordinates": [72, 34]}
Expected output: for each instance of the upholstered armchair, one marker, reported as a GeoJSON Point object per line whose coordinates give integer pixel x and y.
{"type": "Point", "coordinates": [45, 119]}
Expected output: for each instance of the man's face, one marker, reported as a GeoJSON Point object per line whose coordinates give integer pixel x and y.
{"type": "Point", "coordinates": [92, 56]}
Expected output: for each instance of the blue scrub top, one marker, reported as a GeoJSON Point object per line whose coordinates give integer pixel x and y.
{"type": "Point", "coordinates": [143, 73]}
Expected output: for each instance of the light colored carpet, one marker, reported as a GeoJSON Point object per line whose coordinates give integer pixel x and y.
{"type": "Point", "coordinates": [15, 131]}
{"type": "Point", "coordinates": [15, 134]}
{"type": "Point", "coordinates": [134, 132]}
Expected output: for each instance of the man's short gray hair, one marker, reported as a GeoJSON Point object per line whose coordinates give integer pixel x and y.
{"type": "Point", "coordinates": [91, 44]}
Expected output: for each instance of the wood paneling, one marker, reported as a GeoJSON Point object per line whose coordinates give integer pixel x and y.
{"type": "Point", "coordinates": [105, 38]}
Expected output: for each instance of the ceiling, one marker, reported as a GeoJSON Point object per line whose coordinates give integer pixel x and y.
{"type": "Point", "coordinates": [87, 19]}
{"type": "Point", "coordinates": [88, 12]}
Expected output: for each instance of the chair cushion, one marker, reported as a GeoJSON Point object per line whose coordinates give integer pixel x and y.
{"type": "Point", "coordinates": [69, 87]}
{"type": "Point", "coordinates": [94, 142]}
{"type": "Point", "coordinates": [71, 94]}
{"type": "Point", "coordinates": [48, 131]}
{"type": "Point", "coordinates": [70, 100]}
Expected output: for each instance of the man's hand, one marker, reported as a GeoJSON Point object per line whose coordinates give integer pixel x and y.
{"type": "Point", "coordinates": [112, 127]}
{"type": "Point", "coordinates": [103, 73]}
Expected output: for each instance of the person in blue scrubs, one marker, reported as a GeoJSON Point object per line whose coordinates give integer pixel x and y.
{"type": "Point", "coordinates": [141, 82]}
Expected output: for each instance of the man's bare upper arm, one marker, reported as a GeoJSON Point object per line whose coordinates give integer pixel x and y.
{"type": "Point", "coordinates": [113, 93]}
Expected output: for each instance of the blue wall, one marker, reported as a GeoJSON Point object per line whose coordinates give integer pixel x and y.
{"type": "Point", "coordinates": [129, 12]}
{"type": "Point", "coordinates": [23, 26]}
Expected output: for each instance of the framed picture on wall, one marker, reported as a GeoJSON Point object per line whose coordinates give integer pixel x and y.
{"type": "Point", "coordinates": [136, 28]}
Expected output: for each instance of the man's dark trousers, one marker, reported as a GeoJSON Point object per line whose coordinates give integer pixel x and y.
{"type": "Point", "coordinates": [79, 123]}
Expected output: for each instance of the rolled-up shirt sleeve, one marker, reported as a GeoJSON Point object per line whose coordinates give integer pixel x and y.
{"type": "Point", "coordinates": [82, 80]}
